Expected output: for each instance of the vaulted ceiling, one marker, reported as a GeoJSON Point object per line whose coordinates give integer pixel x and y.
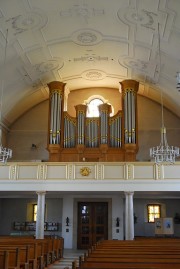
{"type": "Point", "coordinates": [87, 43]}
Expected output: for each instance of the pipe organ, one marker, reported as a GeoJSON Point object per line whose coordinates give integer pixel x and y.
{"type": "Point", "coordinates": [102, 138]}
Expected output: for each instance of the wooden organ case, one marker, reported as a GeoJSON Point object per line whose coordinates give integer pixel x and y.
{"type": "Point", "coordinates": [100, 139]}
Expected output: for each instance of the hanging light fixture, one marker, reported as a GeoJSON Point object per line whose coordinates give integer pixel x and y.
{"type": "Point", "coordinates": [163, 152]}
{"type": "Point", "coordinates": [5, 153]}
{"type": "Point", "coordinates": [178, 81]}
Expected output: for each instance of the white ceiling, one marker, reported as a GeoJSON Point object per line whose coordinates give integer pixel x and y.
{"type": "Point", "coordinates": [87, 43]}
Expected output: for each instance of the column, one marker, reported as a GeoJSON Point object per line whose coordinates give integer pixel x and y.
{"type": "Point", "coordinates": [129, 216]}
{"type": "Point", "coordinates": [40, 215]}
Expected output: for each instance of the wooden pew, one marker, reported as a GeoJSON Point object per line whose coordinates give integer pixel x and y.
{"type": "Point", "coordinates": [42, 252]}
{"type": "Point", "coordinates": [28, 253]}
{"type": "Point", "coordinates": [4, 259]}
{"type": "Point", "coordinates": [131, 254]}
{"type": "Point", "coordinates": [10, 259]}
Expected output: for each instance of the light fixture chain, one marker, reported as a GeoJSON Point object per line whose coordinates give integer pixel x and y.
{"type": "Point", "coordinates": [163, 152]}
{"type": "Point", "coordinates": [2, 82]}
{"type": "Point", "coordinates": [5, 153]}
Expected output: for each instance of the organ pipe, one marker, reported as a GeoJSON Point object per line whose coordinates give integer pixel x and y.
{"type": "Point", "coordinates": [80, 114]}
{"type": "Point", "coordinates": [115, 132]}
{"type": "Point", "coordinates": [129, 91]}
{"type": "Point", "coordinates": [55, 118]}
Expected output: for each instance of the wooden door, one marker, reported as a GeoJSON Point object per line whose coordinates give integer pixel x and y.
{"type": "Point", "coordinates": [92, 223]}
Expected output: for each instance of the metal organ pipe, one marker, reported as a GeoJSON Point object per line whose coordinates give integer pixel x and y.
{"type": "Point", "coordinates": [54, 118]}
{"type": "Point", "coordinates": [129, 118]}
{"type": "Point", "coordinates": [95, 134]}
{"type": "Point", "coordinates": [80, 127]}
{"type": "Point", "coordinates": [59, 117]}
{"type": "Point", "coordinates": [118, 136]}
{"type": "Point", "coordinates": [120, 131]}
{"type": "Point", "coordinates": [129, 90]}
{"type": "Point", "coordinates": [51, 121]}
{"type": "Point", "coordinates": [133, 119]}
{"type": "Point", "coordinates": [126, 118]}
{"type": "Point", "coordinates": [83, 129]}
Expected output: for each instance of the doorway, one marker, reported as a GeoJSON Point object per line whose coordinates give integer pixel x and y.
{"type": "Point", "coordinates": [92, 223]}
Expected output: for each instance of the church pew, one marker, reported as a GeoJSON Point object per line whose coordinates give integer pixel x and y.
{"type": "Point", "coordinates": [130, 254]}
{"type": "Point", "coordinates": [121, 261]}
{"type": "Point", "coordinates": [47, 250]}
{"type": "Point", "coordinates": [4, 259]}
{"type": "Point", "coordinates": [28, 253]}
{"type": "Point", "coordinates": [11, 260]}
{"type": "Point", "coordinates": [142, 264]}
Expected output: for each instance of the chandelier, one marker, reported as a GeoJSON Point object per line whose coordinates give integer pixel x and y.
{"type": "Point", "coordinates": [163, 152]}
{"type": "Point", "coordinates": [178, 81]}
{"type": "Point", "coordinates": [5, 153]}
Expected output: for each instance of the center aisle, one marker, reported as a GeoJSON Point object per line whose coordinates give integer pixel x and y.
{"type": "Point", "coordinates": [69, 256]}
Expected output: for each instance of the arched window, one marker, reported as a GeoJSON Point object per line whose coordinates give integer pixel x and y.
{"type": "Point", "coordinates": [93, 110]}
{"type": "Point", "coordinates": [93, 103]}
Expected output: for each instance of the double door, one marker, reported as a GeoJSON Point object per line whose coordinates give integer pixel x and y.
{"type": "Point", "coordinates": [92, 223]}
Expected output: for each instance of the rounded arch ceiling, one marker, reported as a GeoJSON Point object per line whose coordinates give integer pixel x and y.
{"type": "Point", "coordinates": [87, 44]}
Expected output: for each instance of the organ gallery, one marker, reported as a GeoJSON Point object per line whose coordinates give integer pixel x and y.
{"type": "Point", "coordinates": [101, 139]}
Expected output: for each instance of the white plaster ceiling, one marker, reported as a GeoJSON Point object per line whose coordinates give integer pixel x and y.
{"type": "Point", "coordinates": [87, 43]}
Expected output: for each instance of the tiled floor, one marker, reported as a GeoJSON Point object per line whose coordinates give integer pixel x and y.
{"type": "Point", "coordinates": [69, 256]}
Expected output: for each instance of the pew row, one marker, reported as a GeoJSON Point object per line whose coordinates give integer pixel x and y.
{"type": "Point", "coordinates": [30, 253]}
{"type": "Point", "coordinates": [132, 254]}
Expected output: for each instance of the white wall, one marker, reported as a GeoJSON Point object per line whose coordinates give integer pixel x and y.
{"type": "Point", "coordinates": [15, 209]}
{"type": "Point", "coordinates": [142, 227]}
{"type": "Point", "coordinates": [31, 128]}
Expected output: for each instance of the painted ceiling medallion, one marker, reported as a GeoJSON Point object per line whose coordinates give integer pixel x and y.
{"type": "Point", "coordinates": [86, 37]}
{"type": "Point", "coordinates": [48, 66]}
{"type": "Point", "coordinates": [143, 18]}
{"type": "Point", "coordinates": [93, 75]}
{"type": "Point", "coordinates": [29, 21]}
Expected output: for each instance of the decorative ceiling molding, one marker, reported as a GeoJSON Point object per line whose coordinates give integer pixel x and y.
{"type": "Point", "coordinates": [91, 58]}
{"type": "Point", "coordinates": [82, 11]}
{"type": "Point", "coordinates": [48, 66]}
{"type": "Point", "coordinates": [143, 18]}
{"type": "Point", "coordinates": [93, 74]}
{"type": "Point", "coordinates": [86, 37]}
{"type": "Point", "coordinates": [148, 19]}
{"type": "Point", "coordinates": [33, 20]}
{"type": "Point", "coordinates": [148, 68]}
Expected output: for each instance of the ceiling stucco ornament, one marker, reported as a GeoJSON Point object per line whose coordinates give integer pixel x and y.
{"type": "Point", "coordinates": [90, 58]}
{"type": "Point", "coordinates": [30, 21]}
{"type": "Point", "coordinates": [93, 75]}
{"type": "Point", "coordinates": [48, 66]}
{"type": "Point", "coordinates": [148, 69]}
{"type": "Point", "coordinates": [143, 18]}
{"type": "Point", "coordinates": [82, 10]}
{"type": "Point", "coordinates": [136, 64]}
{"type": "Point", "coordinates": [86, 37]}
